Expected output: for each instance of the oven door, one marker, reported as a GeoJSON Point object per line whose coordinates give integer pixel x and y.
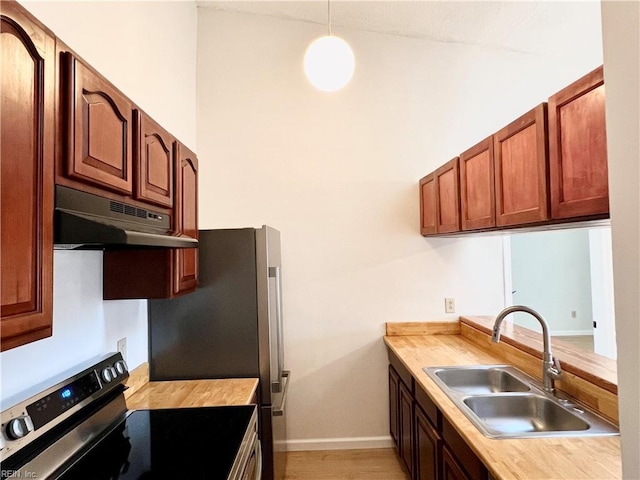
{"type": "Point", "coordinates": [253, 468]}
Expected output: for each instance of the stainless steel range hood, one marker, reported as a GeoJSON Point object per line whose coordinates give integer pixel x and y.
{"type": "Point", "coordinates": [90, 222]}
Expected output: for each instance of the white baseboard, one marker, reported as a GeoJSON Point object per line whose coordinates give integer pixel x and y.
{"type": "Point", "coordinates": [349, 443]}
{"type": "Point", "coordinates": [570, 333]}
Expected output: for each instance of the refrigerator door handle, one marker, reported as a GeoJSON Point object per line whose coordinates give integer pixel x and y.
{"type": "Point", "coordinates": [279, 411]}
{"type": "Point", "coordinates": [274, 272]}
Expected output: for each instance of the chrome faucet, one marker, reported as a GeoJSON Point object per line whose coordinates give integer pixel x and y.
{"type": "Point", "coordinates": [550, 366]}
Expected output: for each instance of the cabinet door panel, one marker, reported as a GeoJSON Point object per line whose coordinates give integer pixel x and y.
{"type": "Point", "coordinates": [428, 205]}
{"type": "Point", "coordinates": [521, 167]}
{"type": "Point", "coordinates": [393, 405]}
{"type": "Point", "coordinates": [477, 192]}
{"type": "Point", "coordinates": [186, 260]}
{"type": "Point", "coordinates": [428, 447]}
{"type": "Point", "coordinates": [26, 178]}
{"type": "Point", "coordinates": [450, 468]}
{"type": "Point", "coordinates": [98, 123]}
{"type": "Point", "coordinates": [447, 182]}
{"type": "Point", "coordinates": [465, 458]}
{"type": "Point", "coordinates": [406, 430]}
{"type": "Point", "coordinates": [154, 153]}
{"type": "Point", "coordinates": [578, 149]}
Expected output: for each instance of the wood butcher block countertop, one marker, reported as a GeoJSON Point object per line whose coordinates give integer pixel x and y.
{"type": "Point", "coordinates": [143, 394]}
{"type": "Point", "coordinates": [569, 458]}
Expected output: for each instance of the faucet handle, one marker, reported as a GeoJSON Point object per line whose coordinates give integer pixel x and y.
{"type": "Point", "coordinates": [495, 337]}
{"type": "Point", "coordinates": [555, 369]}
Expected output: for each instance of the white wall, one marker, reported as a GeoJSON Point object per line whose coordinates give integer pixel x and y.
{"type": "Point", "coordinates": [148, 50]}
{"type": "Point", "coordinates": [602, 296]}
{"type": "Point", "coordinates": [145, 48]}
{"type": "Point", "coordinates": [338, 175]}
{"type": "Point", "coordinates": [551, 273]}
{"type": "Point", "coordinates": [83, 327]}
{"type": "Point", "coordinates": [620, 27]}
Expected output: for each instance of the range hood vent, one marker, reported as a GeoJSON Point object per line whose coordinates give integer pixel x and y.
{"type": "Point", "coordinates": [90, 222]}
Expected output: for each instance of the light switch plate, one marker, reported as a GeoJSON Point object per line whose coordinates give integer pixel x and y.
{"type": "Point", "coordinates": [122, 347]}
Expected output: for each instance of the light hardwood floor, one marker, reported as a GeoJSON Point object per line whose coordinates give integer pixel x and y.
{"type": "Point", "coordinates": [377, 464]}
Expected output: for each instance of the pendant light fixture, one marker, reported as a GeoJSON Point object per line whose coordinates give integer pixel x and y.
{"type": "Point", "coordinates": [328, 61]}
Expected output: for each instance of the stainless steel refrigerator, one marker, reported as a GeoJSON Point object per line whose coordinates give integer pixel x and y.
{"type": "Point", "coordinates": [231, 326]}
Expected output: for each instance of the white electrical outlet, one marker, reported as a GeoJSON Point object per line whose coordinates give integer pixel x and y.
{"type": "Point", "coordinates": [122, 347]}
{"type": "Point", "coordinates": [449, 305]}
{"type": "Point", "coordinates": [574, 314]}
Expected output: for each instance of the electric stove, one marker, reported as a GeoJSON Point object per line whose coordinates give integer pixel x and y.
{"type": "Point", "coordinates": [80, 429]}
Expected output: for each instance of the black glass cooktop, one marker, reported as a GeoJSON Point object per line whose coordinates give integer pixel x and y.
{"type": "Point", "coordinates": [193, 443]}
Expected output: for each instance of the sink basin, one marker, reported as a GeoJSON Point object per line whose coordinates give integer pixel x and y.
{"type": "Point", "coordinates": [503, 402]}
{"type": "Point", "coordinates": [523, 413]}
{"type": "Point", "coordinates": [479, 380]}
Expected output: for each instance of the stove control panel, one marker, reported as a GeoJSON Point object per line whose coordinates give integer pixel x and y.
{"type": "Point", "coordinates": [27, 420]}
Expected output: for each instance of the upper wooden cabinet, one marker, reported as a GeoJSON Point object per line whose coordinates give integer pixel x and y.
{"type": "Point", "coordinates": [578, 149]}
{"type": "Point", "coordinates": [477, 191]}
{"type": "Point", "coordinates": [548, 166]}
{"type": "Point", "coordinates": [160, 273]}
{"type": "Point", "coordinates": [186, 211]}
{"type": "Point", "coordinates": [428, 205]}
{"type": "Point", "coordinates": [97, 128]}
{"type": "Point", "coordinates": [153, 149]}
{"type": "Point", "coordinates": [27, 86]}
{"type": "Point", "coordinates": [521, 180]}
{"type": "Point", "coordinates": [447, 185]}
{"type": "Point", "coordinates": [440, 200]}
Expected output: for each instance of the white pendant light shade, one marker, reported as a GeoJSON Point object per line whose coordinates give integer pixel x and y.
{"type": "Point", "coordinates": [329, 63]}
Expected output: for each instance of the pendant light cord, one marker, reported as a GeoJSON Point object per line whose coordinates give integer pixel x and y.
{"type": "Point", "coordinates": [329, 15]}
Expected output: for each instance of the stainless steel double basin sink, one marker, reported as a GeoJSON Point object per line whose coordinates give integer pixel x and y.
{"type": "Point", "coordinates": [503, 402]}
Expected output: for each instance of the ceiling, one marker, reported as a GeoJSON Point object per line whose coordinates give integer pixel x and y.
{"type": "Point", "coordinates": [538, 27]}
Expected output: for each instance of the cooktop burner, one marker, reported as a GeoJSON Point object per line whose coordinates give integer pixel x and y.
{"type": "Point", "coordinates": [193, 443]}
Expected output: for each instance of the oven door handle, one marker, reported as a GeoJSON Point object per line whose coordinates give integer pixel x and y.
{"type": "Point", "coordinates": [279, 411]}
{"type": "Point", "coordinates": [258, 472]}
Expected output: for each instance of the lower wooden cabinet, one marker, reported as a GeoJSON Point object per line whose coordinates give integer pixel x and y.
{"type": "Point", "coordinates": [394, 384]}
{"type": "Point", "coordinates": [450, 468]}
{"type": "Point", "coordinates": [428, 445]}
{"type": "Point", "coordinates": [405, 415]}
{"type": "Point", "coordinates": [428, 448]}
{"type": "Point", "coordinates": [468, 462]}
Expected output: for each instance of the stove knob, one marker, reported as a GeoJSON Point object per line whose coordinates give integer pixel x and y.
{"type": "Point", "coordinates": [107, 376]}
{"type": "Point", "coordinates": [19, 427]}
{"type": "Point", "coordinates": [121, 367]}
{"type": "Point", "coordinates": [114, 374]}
